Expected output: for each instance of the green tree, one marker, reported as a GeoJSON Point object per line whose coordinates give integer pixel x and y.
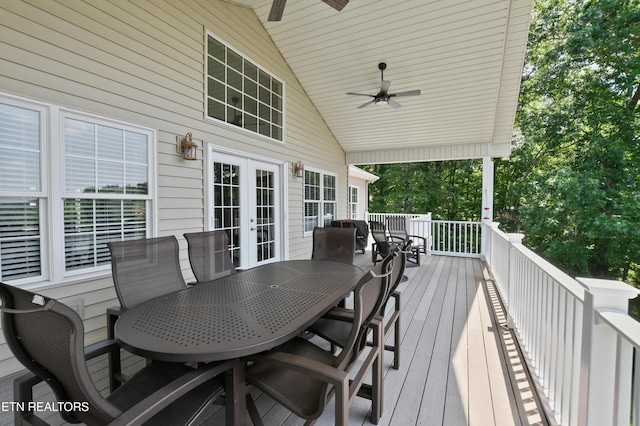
{"type": "Point", "coordinates": [450, 190]}
{"type": "Point", "coordinates": [572, 183]}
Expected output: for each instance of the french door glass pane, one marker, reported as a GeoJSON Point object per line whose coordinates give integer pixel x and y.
{"type": "Point", "coordinates": [226, 199]}
{"type": "Point", "coordinates": [265, 214]}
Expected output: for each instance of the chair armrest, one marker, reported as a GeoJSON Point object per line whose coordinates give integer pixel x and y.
{"type": "Point", "coordinates": [101, 348]}
{"type": "Point", "coordinates": [422, 245]}
{"type": "Point", "coordinates": [339, 314]}
{"type": "Point", "coordinates": [116, 310]}
{"type": "Point", "coordinates": [309, 367]}
{"type": "Point", "coordinates": [154, 403]}
{"type": "Point", "coordinates": [395, 240]}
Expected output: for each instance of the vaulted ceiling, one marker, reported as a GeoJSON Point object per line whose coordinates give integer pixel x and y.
{"type": "Point", "coordinates": [465, 56]}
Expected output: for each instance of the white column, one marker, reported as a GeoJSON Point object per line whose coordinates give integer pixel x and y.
{"type": "Point", "coordinates": [486, 215]}
{"type": "Point", "coordinates": [597, 397]}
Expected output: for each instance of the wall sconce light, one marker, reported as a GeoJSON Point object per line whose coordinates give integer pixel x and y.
{"type": "Point", "coordinates": [187, 147]}
{"type": "Point", "coordinates": [298, 169]}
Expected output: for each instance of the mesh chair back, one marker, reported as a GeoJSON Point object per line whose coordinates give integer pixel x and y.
{"type": "Point", "coordinates": [368, 297]}
{"type": "Point", "coordinates": [379, 234]}
{"type": "Point", "coordinates": [397, 226]}
{"type": "Point", "coordinates": [145, 268]}
{"type": "Point", "coordinates": [334, 244]}
{"type": "Point", "coordinates": [49, 341]}
{"type": "Point", "coordinates": [209, 255]}
{"type": "Point", "coordinates": [398, 266]}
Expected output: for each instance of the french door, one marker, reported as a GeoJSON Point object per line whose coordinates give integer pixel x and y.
{"type": "Point", "coordinates": [245, 200]}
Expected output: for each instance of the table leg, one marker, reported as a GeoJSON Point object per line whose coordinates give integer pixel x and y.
{"type": "Point", "coordinates": [235, 405]}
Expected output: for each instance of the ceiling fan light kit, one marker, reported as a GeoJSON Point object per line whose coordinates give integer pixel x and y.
{"type": "Point", "coordinates": [383, 97]}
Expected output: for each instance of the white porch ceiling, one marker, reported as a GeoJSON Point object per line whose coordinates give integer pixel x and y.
{"type": "Point", "coordinates": [465, 56]}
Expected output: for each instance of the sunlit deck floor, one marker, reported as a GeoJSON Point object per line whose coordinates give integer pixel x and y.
{"type": "Point", "coordinates": [454, 369]}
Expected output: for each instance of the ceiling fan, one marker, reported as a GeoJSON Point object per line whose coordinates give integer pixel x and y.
{"type": "Point", "coordinates": [277, 7]}
{"type": "Point", "coordinates": [383, 97]}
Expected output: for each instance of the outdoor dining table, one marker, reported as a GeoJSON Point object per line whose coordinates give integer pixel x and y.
{"type": "Point", "coordinates": [238, 315]}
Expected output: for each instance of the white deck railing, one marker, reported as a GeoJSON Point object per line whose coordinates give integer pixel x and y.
{"type": "Point", "coordinates": [582, 347]}
{"type": "Point", "coordinates": [444, 237]}
{"type": "Point", "coordinates": [576, 334]}
{"type": "Point", "coordinates": [456, 238]}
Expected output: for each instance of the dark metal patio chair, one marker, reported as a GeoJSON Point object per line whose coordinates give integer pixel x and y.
{"type": "Point", "coordinates": [334, 244]}
{"type": "Point", "coordinates": [209, 255]}
{"type": "Point", "coordinates": [384, 244]}
{"type": "Point", "coordinates": [397, 226]}
{"type": "Point", "coordinates": [47, 337]}
{"type": "Point", "coordinates": [336, 325]}
{"type": "Point", "coordinates": [142, 269]}
{"type": "Point", "coordinates": [303, 377]}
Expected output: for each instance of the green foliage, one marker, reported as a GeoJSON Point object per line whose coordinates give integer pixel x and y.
{"type": "Point", "coordinates": [450, 190]}
{"type": "Point", "coordinates": [572, 184]}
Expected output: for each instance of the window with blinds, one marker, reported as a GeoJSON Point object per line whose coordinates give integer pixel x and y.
{"type": "Point", "coordinates": [353, 202]}
{"type": "Point", "coordinates": [106, 190]}
{"type": "Point", "coordinates": [319, 199]}
{"type": "Point", "coordinates": [100, 170]}
{"type": "Point", "coordinates": [20, 192]}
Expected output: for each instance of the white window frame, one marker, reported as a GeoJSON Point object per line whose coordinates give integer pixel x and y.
{"type": "Point", "coordinates": [353, 205]}
{"type": "Point", "coordinates": [52, 247]}
{"type": "Point", "coordinates": [42, 194]}
{"type": "Point", "coordinates": [243, 93]}
{"type": "Point", "coordinates": [321, 202]}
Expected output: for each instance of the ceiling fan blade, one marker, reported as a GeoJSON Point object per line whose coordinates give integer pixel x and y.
{"type": "Point", "coordinates": [277, 9]}
{"type": "Point", "coordinates": [409, 93]}
{"type": "Point", "coordinates": [367, 103]}
{"type": "Point", "coordinates": [393, 104]}
{"type": "Point", "coordinates": [384, 85]}
{"type": "Point", "coordinates": [337, 4]}
{"type": "Point", "coordinates": [359, 94]}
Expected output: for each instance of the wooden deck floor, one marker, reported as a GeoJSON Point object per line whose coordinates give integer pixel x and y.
{"type": "Point", "coordinates": [458, 366]}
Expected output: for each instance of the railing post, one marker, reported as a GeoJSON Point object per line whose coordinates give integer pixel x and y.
{"type": "Point", "coordinates": [511, 273]}
{"type": "Point", "coordinates": [597, 391]}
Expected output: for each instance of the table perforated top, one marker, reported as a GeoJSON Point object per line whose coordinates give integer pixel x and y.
{"type": "Point", "coordinates": [237, 315]}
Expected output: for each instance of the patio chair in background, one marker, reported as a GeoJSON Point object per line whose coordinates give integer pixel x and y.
{"type": "Point", "coordinates": [335, 326]}
{"type": "Point", "coordinates": [383, 244]}
{"type": "Point", "coordinates": [303, 377]}
{"type": "Point", "coordinates": [141, 269]}
{"type": "Point", "coordinates": [209, 255]}
{"type": "Point", "coordinates": [334, 244]}
{"type": "Point", "coordinates": [397, 227]}
{"type": "Point", "coordinates": [47, 337]}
